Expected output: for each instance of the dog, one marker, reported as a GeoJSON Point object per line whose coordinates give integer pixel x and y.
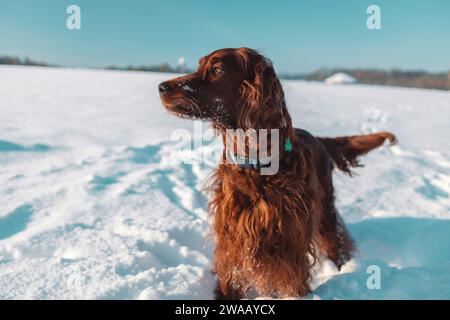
{"type": "Point", "coordinates": [270, 229]}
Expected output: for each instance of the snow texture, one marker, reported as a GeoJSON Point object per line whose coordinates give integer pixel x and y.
{"type": "Point", "coordinates": [97, 205]}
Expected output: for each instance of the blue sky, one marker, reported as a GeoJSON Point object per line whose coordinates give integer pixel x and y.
{"type": "Point", "coordinates": [299, 36]}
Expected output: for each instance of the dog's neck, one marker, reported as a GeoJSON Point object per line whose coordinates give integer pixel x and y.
{"type": "Point", "coordinates": [254, 155]}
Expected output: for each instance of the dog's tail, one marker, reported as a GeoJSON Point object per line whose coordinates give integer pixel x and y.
{"type": "Point", "coordinates": [345, 150]}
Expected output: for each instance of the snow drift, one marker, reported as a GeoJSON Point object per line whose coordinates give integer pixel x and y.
{"type": "Point", "coordinates": [340, 78]}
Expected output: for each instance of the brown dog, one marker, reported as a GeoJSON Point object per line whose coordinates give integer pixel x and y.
{"type": "Point", "coordinates": [269, 228]}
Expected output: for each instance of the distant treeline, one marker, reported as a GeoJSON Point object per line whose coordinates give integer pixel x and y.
{"type": "Point", "coordinates": [163, 67]}
{"type": "Point", "coordinates": [23, 62]}
{"type": "Point", "coordinates": [398, 78]}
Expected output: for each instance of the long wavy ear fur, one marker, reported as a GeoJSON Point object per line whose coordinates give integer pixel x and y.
{"type": "Point", "coordinates": [263, 103]}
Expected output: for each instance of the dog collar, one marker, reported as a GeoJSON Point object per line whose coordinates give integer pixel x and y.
{"type": "Point", "coordinates": [255, 164]}
{"type": "Point", "coordinates": [248, 163]}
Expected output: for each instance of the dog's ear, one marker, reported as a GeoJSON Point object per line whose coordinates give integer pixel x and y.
{"type": "Point", "coordinates": [263, 104]}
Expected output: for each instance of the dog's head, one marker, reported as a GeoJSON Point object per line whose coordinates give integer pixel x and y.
{"type": "Point", "coordinates": [233, 88]}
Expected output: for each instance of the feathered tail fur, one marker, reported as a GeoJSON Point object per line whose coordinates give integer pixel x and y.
{"type": "Point", "coordinates": [345, 150]}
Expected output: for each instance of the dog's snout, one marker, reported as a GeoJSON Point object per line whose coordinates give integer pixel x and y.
{"type": "Point", "coordinates": [163, 87]}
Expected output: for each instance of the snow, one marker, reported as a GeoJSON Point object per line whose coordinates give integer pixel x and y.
{"type": "Point", "coordinates": [97, 205]}
{"type": "Point", "coordinates": [340, 78]}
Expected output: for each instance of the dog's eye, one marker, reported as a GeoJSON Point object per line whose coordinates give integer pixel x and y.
{"type": "Point", "coordinates": [217, 71]}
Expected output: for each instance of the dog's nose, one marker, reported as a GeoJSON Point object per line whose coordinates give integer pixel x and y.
{"type": "Point", "coordinates": [163, 87]}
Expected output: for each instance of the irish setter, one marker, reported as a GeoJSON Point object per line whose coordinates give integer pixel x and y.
{"type": "Point", "coordinates": [270, 229]}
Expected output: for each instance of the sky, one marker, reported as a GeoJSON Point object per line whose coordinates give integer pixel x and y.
{"type": "Point", "coordinates": [298, 36]}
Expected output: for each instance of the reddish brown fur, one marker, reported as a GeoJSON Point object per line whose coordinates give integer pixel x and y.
{"type": "Point", "coordinates": [269, 228]}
